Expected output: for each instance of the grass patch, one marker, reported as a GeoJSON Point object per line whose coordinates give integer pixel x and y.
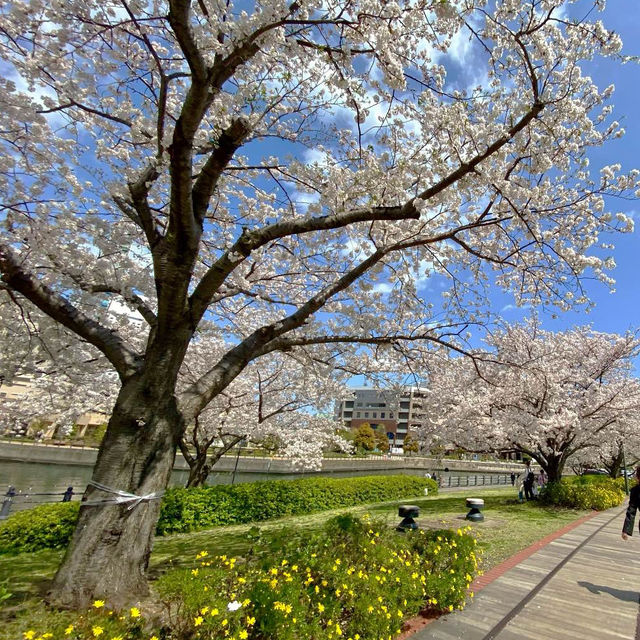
{"type": "Point", "coordinates": [508, 527]}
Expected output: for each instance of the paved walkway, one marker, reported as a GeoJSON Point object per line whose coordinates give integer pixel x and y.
{"type": "Point", "coordinates": [581, 585]}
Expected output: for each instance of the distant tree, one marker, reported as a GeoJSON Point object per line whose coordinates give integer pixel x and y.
{"type": "Point", "coordinates": [551, 396]}
{"type": "Point", "coordinates": [382, 442]}
{"type": "Point", "coordinates": [364, 437]}
{"type": "Point", "coordinates": [410, 444]}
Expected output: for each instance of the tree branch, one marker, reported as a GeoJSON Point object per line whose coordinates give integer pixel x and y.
{"type": "Point", "coordinates": [121, 356]}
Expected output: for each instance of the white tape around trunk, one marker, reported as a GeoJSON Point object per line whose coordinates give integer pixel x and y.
{"type": "Point", "coordinates": [121, 497]}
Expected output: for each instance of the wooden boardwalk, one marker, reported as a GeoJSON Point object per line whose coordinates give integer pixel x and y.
{"type": "Point", "coordinates": [582, 585]}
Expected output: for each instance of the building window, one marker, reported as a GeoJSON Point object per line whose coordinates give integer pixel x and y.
{"type": "Point", "coordinates": [374, 414]}
{"type": "Point", "coordinates": [366, 414]}
{"type": "Point", "coordinates": [382, 414]}
{"type": "Point", "coordinates": [357, 414]}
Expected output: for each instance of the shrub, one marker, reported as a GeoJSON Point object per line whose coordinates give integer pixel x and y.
{"type": "Point", "coordinates": [353, 579]}
{"type": "Point", "coordinates": [50, 526]}
{"type": "Point", "coordinates": [47, 526]}
{"type": "Point", "coordinates": [186, 510]}
{"type": "Point", "coordinates": [580, 494]}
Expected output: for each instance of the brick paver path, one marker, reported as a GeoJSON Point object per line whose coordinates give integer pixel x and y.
{"type": "Point", "coordinates": [581, 583]}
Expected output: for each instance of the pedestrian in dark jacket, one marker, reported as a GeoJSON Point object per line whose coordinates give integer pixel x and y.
{"type": "Point", "coordinates": [634, 504]}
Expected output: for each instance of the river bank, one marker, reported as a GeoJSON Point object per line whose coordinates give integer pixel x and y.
{"type": "Point", "coordinates": [50, 454]}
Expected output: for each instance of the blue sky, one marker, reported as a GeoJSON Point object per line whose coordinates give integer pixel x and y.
{"type": "Point", "coordinates": [618, 311]}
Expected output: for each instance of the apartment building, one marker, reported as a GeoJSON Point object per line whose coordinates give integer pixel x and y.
{"type": "Point", "coordinates": [394, 412]}
{"type": "Point", "coordinates": [19, 390]}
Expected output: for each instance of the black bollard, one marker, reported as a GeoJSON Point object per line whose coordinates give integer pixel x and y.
{"type": "Point", "coordinates": [67, 495]}
{"type": "Point", "coordinates": [408, 512]}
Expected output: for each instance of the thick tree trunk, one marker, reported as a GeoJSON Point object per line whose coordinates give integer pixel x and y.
{"type": "Point", "coordinates": [109, 553]}
{"type": "Point", "coordinates": [198, 472]}
{"type": "Point", "coordinates": [554, 468]}
{"type": "Point", "coordinates": [614, 465]}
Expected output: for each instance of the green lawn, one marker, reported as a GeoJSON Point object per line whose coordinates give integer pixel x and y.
{"type": "Point", "coordinates": [508, 527]}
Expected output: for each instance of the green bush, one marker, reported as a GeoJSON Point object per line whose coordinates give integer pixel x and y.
{"type": "Point", "coordinates": [185, 510]}
{"type": "Point", "coordinates": [50, 526]}
{"type": "Point", "coordinates": [578, 493]}
{"type": "Point", "coordinates": [47, 526]}
{"type": "Point", "coordinates": [353, 579]}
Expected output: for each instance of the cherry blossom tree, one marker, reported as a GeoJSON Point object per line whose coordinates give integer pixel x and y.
{"type": "Point", "coordinates": [282, 396]}
{"type": "Point", "coordinates": [275, 397]}
{"type": "Point", "coordinates": [282, 176]}
{"type": "Point", "coordinates": [551, 396]}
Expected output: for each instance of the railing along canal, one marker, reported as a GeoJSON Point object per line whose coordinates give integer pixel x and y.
{"type": "Point", "coordinates": [13, 498]}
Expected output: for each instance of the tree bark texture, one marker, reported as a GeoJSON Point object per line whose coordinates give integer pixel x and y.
{"type": "Point", "coordinates": [198, 472]}
{"type": "Point", "coordinates": [554, 467]}
{"type": "Point", "coordinates": [109, 552]}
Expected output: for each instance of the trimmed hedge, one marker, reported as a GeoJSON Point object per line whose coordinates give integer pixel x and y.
{"type": "Point", "coordinates": [186, 510]}
{"type": "Point", "coordinates": [576, 494]}
{"type": "Point", "coordinates": [50, 526]}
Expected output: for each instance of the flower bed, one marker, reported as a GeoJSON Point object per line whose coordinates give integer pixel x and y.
{"type": "Point", "coordinates": [577, 493]}
{"type": "Point", "coordinates": [353, 579]}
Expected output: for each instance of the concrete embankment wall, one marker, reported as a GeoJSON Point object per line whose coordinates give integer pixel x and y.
{"type": "Point", "coordinates": [86, 457]}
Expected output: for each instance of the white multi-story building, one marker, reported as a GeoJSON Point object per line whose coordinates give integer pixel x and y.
{"type": "Point", "coordinates": [394, 412]}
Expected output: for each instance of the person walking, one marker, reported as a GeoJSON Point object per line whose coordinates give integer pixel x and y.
{"type": "Point", "coordinates": [634, 503]}
{"type": "Point", "coordinates": [513, 479]}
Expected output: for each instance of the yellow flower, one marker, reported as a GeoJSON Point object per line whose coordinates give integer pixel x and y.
{"type": "Point", "coordinates": [243, 635]}
{"type": "Point", "coordinates": [97, 631]}
{"type": "Point", "coordinates": [98, 604]}
{"type": "Point", "coordinates": [320, 607]}
{"type": "Point", "coordinates": [198, 621]}
{"type": "Point", "coordinates": [135, 612]}
{"type": "Point", "coordinates": [214, 612]}
{"type": "Point", "coordinates": [29, 634]}
{"type": "Point", "coordinates": [153, 638]}
{"type": "Point", "coordinates": [194, 572]}
{"type": "Point", "coordinates": [251, 621]}
{"type": "Point", "coordinates": [225, 622]}
{"type": "Point", "coordinates": [68, 630]}
{"type": "Point", "coordinates": [116, 638]}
